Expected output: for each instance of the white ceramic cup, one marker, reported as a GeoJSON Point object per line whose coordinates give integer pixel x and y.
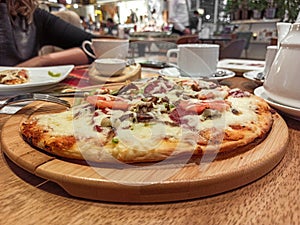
{"type": "Point", "coordinates": [282, 83]}
{"type": "Point", "coordinates": [282, 31]}
{"type": "Point", "coordinates": [196, 60]}
{"type": "Point", "coordinates": [270, 56]}
{"type": "Point", "coordinates": [107, 48]}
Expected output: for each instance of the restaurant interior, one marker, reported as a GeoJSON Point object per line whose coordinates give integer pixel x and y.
{"type": "Point", "coordinates": [254, 21]}
{"type": "Point", "coordinates": [251, 47]}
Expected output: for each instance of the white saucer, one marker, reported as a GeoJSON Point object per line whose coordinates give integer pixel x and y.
{"type": "Point", "coordinates": [174, 72]}
{"type": "Point", "coordinates": [251, 75]}
{"type": "Point", "coordinates": [291, 111]}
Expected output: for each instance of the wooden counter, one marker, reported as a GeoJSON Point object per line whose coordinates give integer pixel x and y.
{"type": "Point", "coordinates": [273, 199]}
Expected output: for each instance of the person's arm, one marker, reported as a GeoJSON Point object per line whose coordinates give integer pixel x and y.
{"type": "Point", "coordinates": [74, 56]}
{"type": "Point", "coordinates": [54, 31]}
{"type": "Point", "coordinates": [187, 31]}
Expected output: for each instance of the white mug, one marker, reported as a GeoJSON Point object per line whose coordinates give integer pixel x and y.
{"type": "Point", "coordinates": [107, 48]}
{"type": "Point", "coordinates": [196, 60]}
{"type": "Point", "coordinates": [270, 56]}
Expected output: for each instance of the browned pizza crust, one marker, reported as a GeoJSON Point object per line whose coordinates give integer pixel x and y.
{"type": "Point", "coordinates": [238, 135]}
{"type": "Point", "coordinates": [41, 137]}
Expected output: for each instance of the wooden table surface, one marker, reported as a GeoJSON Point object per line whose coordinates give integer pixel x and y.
{"type": "Point", "coordinates": [272, 199]}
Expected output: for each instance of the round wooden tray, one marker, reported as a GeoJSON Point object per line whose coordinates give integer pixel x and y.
{"type": "Point", "coordinates": [132, 72]}
{"type": "Point", "coordinates": [149, 183]}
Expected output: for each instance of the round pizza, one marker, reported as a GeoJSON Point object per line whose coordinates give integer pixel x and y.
{"type": "Point", "coordinates": [153, 120]}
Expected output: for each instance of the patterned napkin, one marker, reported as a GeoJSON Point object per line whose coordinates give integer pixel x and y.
{"type": "Point", "coordinates": [11, 109]}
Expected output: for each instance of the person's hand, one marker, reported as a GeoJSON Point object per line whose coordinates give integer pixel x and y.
{"type": "Point", "coordinates": [186, 31]}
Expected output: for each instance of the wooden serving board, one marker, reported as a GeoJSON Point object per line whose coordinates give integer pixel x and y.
{"type": "Point", "coordinates": [132, 72]}
{"type": "Point", "coordinates": [160, 182]}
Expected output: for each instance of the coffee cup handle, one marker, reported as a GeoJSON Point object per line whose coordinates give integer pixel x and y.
{"type": "Point", "coordinates": [85, 49]}
{"type": "Point", "coordinates": [172, 51]}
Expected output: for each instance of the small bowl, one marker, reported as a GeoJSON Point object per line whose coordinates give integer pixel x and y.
{"type": "Point", "coordinates": [110, 66]}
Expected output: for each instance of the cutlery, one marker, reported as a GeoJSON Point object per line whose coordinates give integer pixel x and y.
{"type": "Point", "coordinates": [130, 62]}
{"type": "Point", "coordinates": [220, 73]}
{"type": "Point", "coordinates": [35, 97]}
{"type": "Point", "coordinates": [78, 94]}
{"type": "Point", "coordinates": [260, 76]}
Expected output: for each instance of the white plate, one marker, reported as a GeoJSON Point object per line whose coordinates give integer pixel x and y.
{"type": "Point", "coordinates": [173, 72]}
{"type": "Point", "coordinates": [291, 111]}
{"type": "Point", "coordinates": [241, 65]}
{"type": "Point", "coordinates": [38, 78]}
{"type": "Point", "coordinates": [251, 75]}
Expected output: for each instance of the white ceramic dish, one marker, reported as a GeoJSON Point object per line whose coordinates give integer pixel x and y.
{"type": "Point", "coordinates": [251, 75]}
{"type": "Point", "coordinates": [241, 65]}
{"type": "Point", "coordinates": [174, 72]}
{"type": "Point", "coordinates": [38, 78]}
{"type": "Point", "coordinates": [110, 66]}
{"type": "Point", "coordinates": [290, 111]}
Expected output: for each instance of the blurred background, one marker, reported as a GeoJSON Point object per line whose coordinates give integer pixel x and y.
{"type": "Point", "coordinates": [255, 19]}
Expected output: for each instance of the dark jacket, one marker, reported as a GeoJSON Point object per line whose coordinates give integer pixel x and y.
{"type": "Point", "coordinates": [20, 42]}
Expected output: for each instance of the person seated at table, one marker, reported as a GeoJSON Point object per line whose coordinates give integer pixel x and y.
{"type": "Point", "coordinates": [25, 28]}
{"type": "Point", "coordinates": [110, 26]}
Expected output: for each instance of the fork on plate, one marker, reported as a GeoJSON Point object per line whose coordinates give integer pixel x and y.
{"type": "Point", "coordinates": [35, 97]}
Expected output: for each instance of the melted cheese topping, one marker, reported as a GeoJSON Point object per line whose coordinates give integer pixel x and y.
{"type": "Point", "coordinates": [57, 124]}
{"type": "Point", "coordinates": [246, 115]}
{"type": "Point", "coordinates": [64, 124]}
{"type": "Point", "coordinates": [145, 137]}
